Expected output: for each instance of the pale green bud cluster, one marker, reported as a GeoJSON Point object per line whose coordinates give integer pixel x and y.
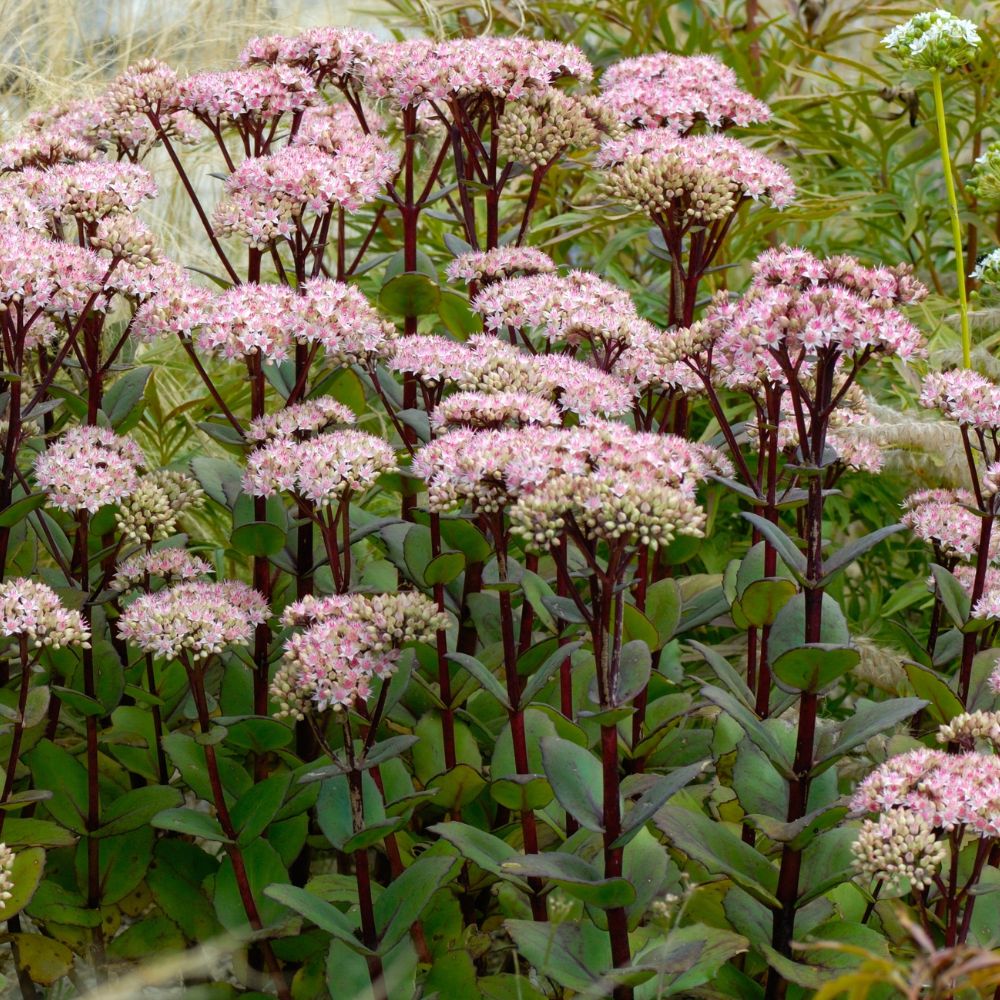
{"type": "Point", "coordinates": [125, 238]}
{"type": "Point", "coordinates": [898, 846]}
{"type": "Point", "coordinates": [934, 40]}
{"type": "Point", "coordinates": [150, 513]}
{"type": "Point", "coordinates": [6, 875]}
{"type": "Point", "coordinates": [671, 346]}
{"type": "Point", "coordinates": [543, 127]}
{"type": "Point", "coordinates": [638, 511]}
{"type": "Point", "coordinates": [984, 182]}
{"type": "Point", "coordinates": [670, 186]}
{"type": "Point", "coordinates": [392, 620]}
{"type": "Point", "coordinates": [968, 728]}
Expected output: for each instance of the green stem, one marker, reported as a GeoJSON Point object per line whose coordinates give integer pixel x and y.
{"type": "Point", "coordinates": [956, 225]}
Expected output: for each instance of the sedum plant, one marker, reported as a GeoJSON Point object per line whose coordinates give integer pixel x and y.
{"type": "Point", "coordinates": [530, 600]}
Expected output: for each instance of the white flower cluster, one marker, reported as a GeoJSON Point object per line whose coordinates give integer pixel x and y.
{"type": "Point", "coordinates": [934, 40]}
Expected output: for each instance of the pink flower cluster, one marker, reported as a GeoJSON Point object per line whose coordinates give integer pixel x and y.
{"type": "Point", "coordinates": [350, 643]}
{"type": "Point", "coordinates": [32, 609]}
{"type": "Point", "coordinates": [261, 94]}
{"type": "Point", "coordinates": [300, 419]}
{"type": "Point", "coordinates": [612, 482]}
{"type": "Point", "coordinates": [269, 319]}
{"type": "Point", "coordinates": [322, 469]}
{"type": "Point", "coordinates": [170, 565]}
{"type": "Point", "coordinates": [267, 196]}
{"type": "Point", "coordinates": [576, 308]}
{"type": "Point", "coordinates": [676, 92]}
{"type": "Point", "coordinates": [964, 396]}
{"type": "Point", "coordinates": [494, 409]}
{"type": "Point", "coordinates": [947, 520]}
{"type": "Point", "coordinates": [416, 71]}
{"type": "Point", "coordinates": [947, 790]}
{"type": "Point", "coordinates": [796, 306]}
{"type": "Point", "coordinates": [332, 126]}
{"type": "Point", "coordinates": [324, 53]}
{"type": "Point", "coordinates": [690, 178]}
{"type": "Point", "coordinates": [91, 189]}
{"type": "Point", "coordinates": [196, 619]}
{"type": "Point", "coordinates": [488, 364]}
{"type": "Point", "coordinates": [498, 263]}
{"type": "Point", "coordinates": [87, 468]}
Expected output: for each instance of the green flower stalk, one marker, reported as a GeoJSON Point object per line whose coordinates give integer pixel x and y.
{"type": "Point", "coordinates": [938, 41]}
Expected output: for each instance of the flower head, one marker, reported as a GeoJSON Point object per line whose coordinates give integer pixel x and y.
{"type": "Point", "coordinates": [321, 469]}
{"type": "Point", "coordinates": [700, 179]}
{"type": "Point", "coordinates": [576, 308]}
{"type": "Point", "coordinates": [988, 269]}
{"type": "Point", "coordinates": [150, 512]}
{"type": "Point", "coordinates": [946, 519]}
{"type": "Point", "coordinates": [898, 846]}
{"type": "Point", "coordinates": [985, 179]}
{"type": "Point", "coordinates": [179, 308]}
{"type": "Point", "coordinates": [33, 610]}
{"type": "Point", "coordinates": [964, 396]}
{"type": "Point", "coordinates": [263, 94]}
{"type": "Point", "coordinates": [498, 263]}
{"type": "Point", "coordinates": [169, 565]}
{"type": "Point", "coordinates": [946, 790]}
{"type": "Point", "coordinates": [247, 320]}
{"type": "Point", "coordinates": [350, 643]}
{"type": "Point", "coordinates": [343, 322]}
{"type": "Point", "coordinates": [266, 196]}
{"type": "Point", "coordinates": [87, 468]}
{"type": "Point", "coordinates": [300, 419]}
{"type": "Point", "coordinates": [676, 92]}
{"type": "Point", "coordinates": [543, 127]}
{"type": "Point", "coordinates": [415, 71]}
{"type": "Point", "coordinates": [325, 53]}
{"type": "Point", "coordinates": [195, 618]}
{"type": "Point", "coordinates": [494, 409]}
{"type": "Point", "coordinates": [934, 40]}
{"type": "Point", "coordinates": [90, 190]}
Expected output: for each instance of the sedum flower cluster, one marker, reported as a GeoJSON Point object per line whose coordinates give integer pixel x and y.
{"type": "Point", "coordinates": [348, 643]}
{"type": "Point", "coordinates": [541, 128]}
{"type": "Point", "coordinates": [796, 306]}
{"type": "Point", "coordinates": [948, 790]}
{"type": "Point", "coordinates": [267, 196]}
{"type": "Point", "coordinates": [193, 619]}
{"type": "Point", "coordinates": [572, 309]}
{"type": "Point", "coordinates": [965, 396]}
{"type": "Point", "coordinates": [323, 470]}
{"type": "Point", "coordinates": [299, 420]}
{"type": "Point", "coordinates": [169, 565]}
{"type": "Point", "coordinates": [665, 90]}
{"type": "Point", "coordinates": [690, 179]}
{"type": "Point", "coordinates": [418, 71]}
{"type": "Point", "coordinates": [946, 519]}
{"type": "Point", "coordinates": [149, 513]}
{"type": "Point", "coordinates": [603, 480]}
{"type": "Point", "coordinates": [33, 610]}
{"type": "Point", "coordinates": [934, 40]}
{"type": "Point", "coordinates": [484, 266]}
{"type": "Point", "coordinates": [87, 468]}
{"type": "Point", "coordinates": [486, 364]}
{"type": "Point", "coordinates": [898, 848]}
{"type": "Point", "coordinates": [268, 320]}
{"type": "Point", "coordinates": [324, 53]}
